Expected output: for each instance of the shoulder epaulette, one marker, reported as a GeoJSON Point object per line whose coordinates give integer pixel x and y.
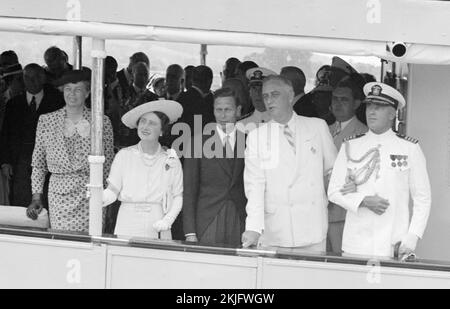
{"type": "Point", "coordinates": [408, 138]}
{"type": "Point", "coordinates": [353, 137]}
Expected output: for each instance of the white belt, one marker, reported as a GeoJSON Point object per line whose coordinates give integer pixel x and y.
{"type": "Point", "coordinates": [142, 207]}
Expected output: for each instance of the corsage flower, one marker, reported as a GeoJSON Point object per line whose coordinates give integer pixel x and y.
{"type": "Point", "coordinates": [171, 158]}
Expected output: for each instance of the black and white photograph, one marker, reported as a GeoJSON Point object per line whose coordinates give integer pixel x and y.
{"type": "Point", "coordinates": [225, 150]}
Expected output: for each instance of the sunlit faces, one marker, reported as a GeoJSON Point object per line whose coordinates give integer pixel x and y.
{"type": "Point", "coordinates": [75, 94]}
{"type": "Point", "coordinates": [278, 99]}
{"type": "Point", "coordinates": [226, 112]}
{"type": "Point", "coordinates": [343, 105]}
{"type": "Point", "coordinates": [379, 117]}
{"type": "Point", "coordinates": [149, 127]}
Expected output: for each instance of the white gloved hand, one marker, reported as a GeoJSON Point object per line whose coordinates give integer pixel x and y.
{"type": "Point", "coordinates": [161, 225]}
{"type": "Point", "coordinates": [408, 244]}
{"type": "Point", "coordinates": [108, 197]}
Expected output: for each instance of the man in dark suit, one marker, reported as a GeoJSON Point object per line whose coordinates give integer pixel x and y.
{"type": "Point", "coordinates": [19, 130]}
{"type": "Point", "coordinates": [303, 104]}
{"type": "Point", "coordinates": [197, 100]}
{"type": "Point", "coordinates": [175, 77]}
{"type": "Point", "coordinates": [214, 199]}
{"type": "Point", "coordinates": [125, 76]}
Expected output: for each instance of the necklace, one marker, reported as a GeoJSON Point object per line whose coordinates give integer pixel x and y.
{"type": "Point", "coordinates": [361, 175]}
{"type": "Point", "coordinates": [147, 159]}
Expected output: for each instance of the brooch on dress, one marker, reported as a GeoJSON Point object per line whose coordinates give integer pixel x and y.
{"type": "Point", "coordinates": [171, 158]}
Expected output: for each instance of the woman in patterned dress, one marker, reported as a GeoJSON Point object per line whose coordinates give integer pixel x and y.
{"type": "Point", "coordinates": [62, 148]}
{"type": "Point", "coordinates": [147, 179]}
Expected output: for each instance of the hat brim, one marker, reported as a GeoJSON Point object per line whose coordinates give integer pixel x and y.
{"type": "Point", "coordinates": [73, 77]}
{"type": "Point", "coordinates": [394, 93]}
{"type": "Point", "coordinates": [324, 88]}
{"type": "Point", "coordinates": [11, 73]}
{"type": "Point", "coordinates": [171, 109]}
{"type": "Point", "coordinates": [265, 72]}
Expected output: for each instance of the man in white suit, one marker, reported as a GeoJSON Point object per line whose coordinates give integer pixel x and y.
{"type": "Point", "coordinates": [373, 178]}
{"type": "Point", "coordinates": [345, 100]}
{"type": "Point", "coordinates": [287, 163]}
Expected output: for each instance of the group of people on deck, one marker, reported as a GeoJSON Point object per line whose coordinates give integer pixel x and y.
{"type": "Point", "coordinates": [255, 163]}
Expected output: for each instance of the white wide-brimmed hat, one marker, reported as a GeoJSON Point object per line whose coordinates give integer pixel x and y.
{"type": "Point", "coordinates": [171, 109]}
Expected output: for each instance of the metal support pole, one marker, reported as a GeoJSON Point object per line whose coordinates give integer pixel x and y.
{"type": "Point", "coordinates": [383, 62]}
{"type": "Point", "coordinates": [203, 53]}
{"type": "Point", "coordinates": [96, 158]}
{"type": "Point", "coordinates": [77, 52]}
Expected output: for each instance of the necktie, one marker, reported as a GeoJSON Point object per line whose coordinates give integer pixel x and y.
{"type": "Point", "coordinates": [289, 136]}
{"type": "Point", "coordinates": [33, 105]}
{"type": "Point", "coordinates": [338, 129]}
{"type": "Point", "coordinates": [228, 150]}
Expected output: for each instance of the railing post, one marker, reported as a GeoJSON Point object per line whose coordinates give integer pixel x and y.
{"type": "Point", "coordinates": [77, 52]}
{"type": "Point", "coordinates": [203, 53]}
{"type": "Point", "coordinates": [96, 159]}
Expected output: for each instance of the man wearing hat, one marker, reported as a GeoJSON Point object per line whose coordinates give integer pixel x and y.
{"type": "Point", "coordinates": [260, 115]}
{"type": "Point", "coordinates": [373, 177]}
{"type": "Point", "coordinates": [327, 79]}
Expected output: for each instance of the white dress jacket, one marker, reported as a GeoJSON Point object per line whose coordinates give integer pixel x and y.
{"type": "Point", "coordinates": [402, 173]}
{"type": "Point", "coordinates": [286, 195]}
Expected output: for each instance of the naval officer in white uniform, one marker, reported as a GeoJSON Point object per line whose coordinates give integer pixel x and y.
{"type": "Point", "coordinates": [373, 177]}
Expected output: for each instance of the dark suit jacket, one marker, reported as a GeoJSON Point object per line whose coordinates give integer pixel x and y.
{"type": "Point", "coordinates": [305, 107]}
{"type": "Point", "coordinates": [211, 182]}
{"type": "Point", "coordinates": [19, 128]}
{"type": "Point", "coordinates": [123, 81]}
{"type": "Point", "coordinates": [194, 104]}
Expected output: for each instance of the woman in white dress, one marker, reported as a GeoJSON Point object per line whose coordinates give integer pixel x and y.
{"type": "Point", "coordinates": [147, 179]}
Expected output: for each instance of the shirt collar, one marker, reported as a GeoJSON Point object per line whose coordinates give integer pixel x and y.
{"type": "Point", "coordinates": [345, 123]}
{"type": "Point", "coordinates": [381, 136]}
{"type": "Point", "coordinates": [290, 123]}
{"type": "Point", "coordinates": [222, 134]}
{"type": "Point", "coordinates": [38, 97]}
